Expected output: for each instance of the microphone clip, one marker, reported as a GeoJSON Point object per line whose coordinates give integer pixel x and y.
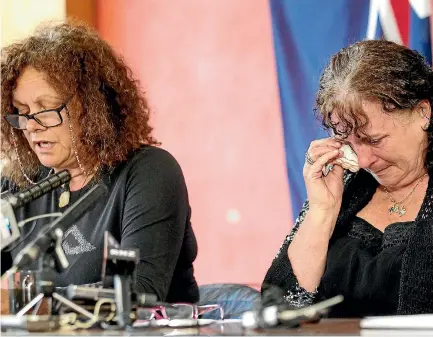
{"type": "Point", "coordinates": [61, 261]}
{"type": "Point", "coordinates": [119, 270]}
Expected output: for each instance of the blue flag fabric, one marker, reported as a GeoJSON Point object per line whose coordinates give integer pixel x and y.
{"type": "Point", "coordinates": [306, 33]}
{"type": "Point", "coordinates": [419, 30]}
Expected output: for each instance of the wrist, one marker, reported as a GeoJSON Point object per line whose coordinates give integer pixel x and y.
{"type": "Point", "coordinates": [325, 211]}
{"type": "Point", "coordinates": [323, 219]}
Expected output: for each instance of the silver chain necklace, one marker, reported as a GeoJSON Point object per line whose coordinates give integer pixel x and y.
{"type": "Point", "coordinates": [397, 206]}
{"type": "Point", "coordinates": [21, 164]}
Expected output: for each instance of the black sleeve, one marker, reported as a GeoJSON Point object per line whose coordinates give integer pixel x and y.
{"type": "Point", "coordinates": [281, 274]}
{"type": "Point", "coordinates": [155, 214]}
{"type": "Point", "coordinates": [416, 285]}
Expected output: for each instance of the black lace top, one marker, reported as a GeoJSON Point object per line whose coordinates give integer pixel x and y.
{"type": "Point", "coordinates": [377, 273]}
{"type": "Point", "coordinates": [376, 293]}
{"type": "Point", "coordinates": [394, 234]}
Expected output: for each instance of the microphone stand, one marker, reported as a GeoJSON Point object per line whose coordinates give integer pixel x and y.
{"type": "Point", "coordinates": [122, 297]}
{"type": "Point", "coordinates": [47, 251]}
{"type": "Point", "coordinates": [120, 266]}
{"type": "Point", "coordinates": [49, 262]}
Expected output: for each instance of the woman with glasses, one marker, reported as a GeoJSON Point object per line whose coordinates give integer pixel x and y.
{"type": "Point", "coordinates": [68, 102]}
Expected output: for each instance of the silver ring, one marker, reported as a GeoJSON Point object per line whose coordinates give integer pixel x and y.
{"type": "Point", "coordinates": [308, 158]}
{"type": "Point", "coordinates": [328, 168]}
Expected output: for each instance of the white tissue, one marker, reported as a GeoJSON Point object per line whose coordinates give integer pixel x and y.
{"type": "Point", "coordinates": [349, 161]}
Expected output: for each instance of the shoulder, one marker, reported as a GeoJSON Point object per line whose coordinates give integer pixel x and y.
{"type": "Point", "coordinates": [153, 158]}
{"type": "Point", "coordinates": [155, 164]}
{"type": "Point", "coordinates": [152, 153]}
{"type": "Point", "coordinates": [153, 177]}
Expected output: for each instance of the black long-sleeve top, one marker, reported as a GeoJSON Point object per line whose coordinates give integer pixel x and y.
{"type": "Point", "coordinates": [147, 208]}
{"type": "Point", "coordinates": [377, 273]}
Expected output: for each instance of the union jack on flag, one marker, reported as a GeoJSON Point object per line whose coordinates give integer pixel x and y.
{"type": "Point", "coordinates": [404, 22]}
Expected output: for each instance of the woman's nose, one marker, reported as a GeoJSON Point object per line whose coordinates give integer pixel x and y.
{"type": "Point", "coordinates": [365, 154]}
{"type": "Point", "coordinates": [33, 126]}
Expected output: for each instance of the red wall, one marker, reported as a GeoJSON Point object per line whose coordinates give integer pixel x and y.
{"type": "Point", "coordinates": [208, 69]}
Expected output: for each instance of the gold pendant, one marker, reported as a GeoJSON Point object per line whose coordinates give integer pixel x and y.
{"type": "Point", "coordinates": [64, 198]}
{"type": "Point", "coordinates": [400, 210]}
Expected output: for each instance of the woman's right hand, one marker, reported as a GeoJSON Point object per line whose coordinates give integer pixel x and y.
{"type": "Point", "coordinates": [324, 193]}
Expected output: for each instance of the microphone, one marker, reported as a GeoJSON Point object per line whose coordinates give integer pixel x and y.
{"type": "Point", "coordinates": [9, 230]}
{"type": "Point", "coordinates": [274, 315]}
{"type": "Point", "coordinates": [145, 300]}
{"type": "Point", "coordinates": [43, 241]}
{"type": "Point", "coordinates": [42, 187]}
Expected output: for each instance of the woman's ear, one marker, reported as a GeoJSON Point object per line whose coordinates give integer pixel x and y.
{"type": "Point", "coordinates": [424, 109]}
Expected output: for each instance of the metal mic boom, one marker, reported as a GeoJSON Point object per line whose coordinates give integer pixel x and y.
{"type": "Point", "coordinates": [9, 230]}
{"type": "Point", "coordinates": [40, 188]}
{"type": "Point", "coordinates": [42, 242]}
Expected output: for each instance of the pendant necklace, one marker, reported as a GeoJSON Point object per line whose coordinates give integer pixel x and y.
{"type": "Point", "coordinates": [65, 195]}
{"type": "Point", "coordinates": [397, 206]}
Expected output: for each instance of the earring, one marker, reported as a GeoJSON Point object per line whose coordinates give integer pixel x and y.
{"type": "Point", "coordinates": [427, 124]}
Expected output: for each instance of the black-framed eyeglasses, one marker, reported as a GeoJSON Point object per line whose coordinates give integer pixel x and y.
{"type": "Point", "coordinates": [46, 118]}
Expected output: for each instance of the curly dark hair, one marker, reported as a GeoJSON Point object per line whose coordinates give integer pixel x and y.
{"type": "Point", "coordinates": [378, 70]}
{"type": "Point", "coordinates": [114, 115]}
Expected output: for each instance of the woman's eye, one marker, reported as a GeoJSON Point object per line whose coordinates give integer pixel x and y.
{"type": "Point", "coordinates": [374, 141]}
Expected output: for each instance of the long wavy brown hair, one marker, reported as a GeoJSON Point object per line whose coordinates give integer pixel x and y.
{"type": "Point", "coordinates": [113, 114]}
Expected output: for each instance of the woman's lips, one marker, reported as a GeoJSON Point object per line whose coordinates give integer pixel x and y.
{"type": "Point", "coordinates": [44, 146]}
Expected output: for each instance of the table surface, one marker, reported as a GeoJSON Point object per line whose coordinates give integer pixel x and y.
{"type": "Point", "coordinates": [326, 327]}
{"type": "Point", "coordinates": [346, 327]}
